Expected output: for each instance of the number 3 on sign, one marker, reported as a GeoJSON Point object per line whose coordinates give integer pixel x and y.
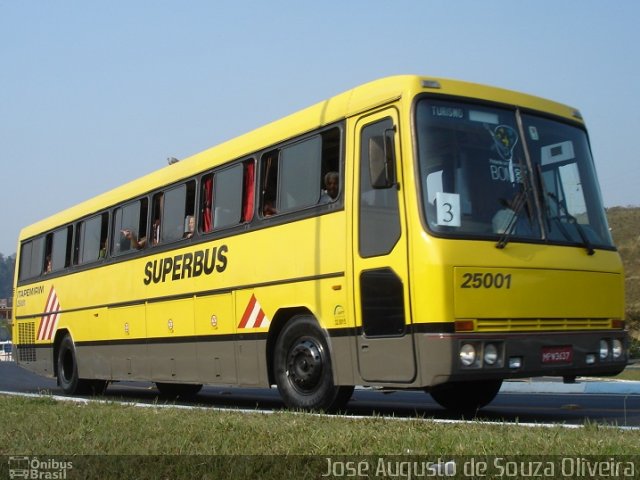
{"type": "Point", "coordinates": [448, 209]}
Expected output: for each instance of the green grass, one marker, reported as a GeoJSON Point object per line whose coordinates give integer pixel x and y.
{"type": "Point", "coordinates": [171, 442]}
{"type": "Point", "coordinates": [37, 426]}
{"type": "Point", "coordinates": [629, 374]}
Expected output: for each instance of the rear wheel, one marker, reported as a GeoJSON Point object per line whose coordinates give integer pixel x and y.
{"type": "Point", "coordinates": [67, 367]}
{"type": "Point", "coordinates": [466, 397]}
{"type": "Point", "coordinates": [302, 367]}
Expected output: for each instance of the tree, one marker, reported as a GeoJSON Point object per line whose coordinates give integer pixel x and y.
{"type": "Point", "coordinates": [7, 267]}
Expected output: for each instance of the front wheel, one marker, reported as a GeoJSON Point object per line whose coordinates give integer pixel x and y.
{"type": "Point", "coordinates": [466, 397]}
{"type": "Point", "coordinates": [302, 367]}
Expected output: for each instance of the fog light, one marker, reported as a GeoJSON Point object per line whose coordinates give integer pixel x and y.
{"type": "Point", "coordinates": [616, 348]}
{"type": "Point", "coordinates": [590, 358]}
{"type": "Point", "coordinates": [490, 354]}
{"type": "Point", "coordinates": [467, 354]}
{"type": "Point", "coordinates": [604, 349]}
{"type": "Point", "coordinates": [515, 362]}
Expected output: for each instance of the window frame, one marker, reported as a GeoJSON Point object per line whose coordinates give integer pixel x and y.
{"type": "Point", "coordinates": [375, 237]}
{"type": "Point", "coordinates": [79, 243]}
{"type": "Point", "coordinates": [55, 252]}
{"type": "Point", "coordinates": [35, 266]}
{"type": "Point", "coordinates": [206, 224]}
{"type": "Point", "coordinates": [267, 186]}
{"type": "Point", "coordinates": [186, 206]}
{"type": "Point", "coordinates": [143, 213]}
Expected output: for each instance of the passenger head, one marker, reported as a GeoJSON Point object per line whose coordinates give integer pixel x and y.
{"type": "Point", "coordinates": [332, 184]}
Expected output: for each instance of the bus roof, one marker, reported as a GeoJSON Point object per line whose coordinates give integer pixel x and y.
{"type": "Point", "coordinates": [344, 105]}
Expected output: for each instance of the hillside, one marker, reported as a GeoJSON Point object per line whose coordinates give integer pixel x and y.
{"type": "Point", "coordinates": [625, 228]}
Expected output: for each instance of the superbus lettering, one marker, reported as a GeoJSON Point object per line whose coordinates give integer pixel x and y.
{"type": "Point", "coordinates": [187, 265]}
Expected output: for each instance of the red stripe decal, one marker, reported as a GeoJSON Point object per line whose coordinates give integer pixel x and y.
{"type": "Point", "coordinates": [247, 312]}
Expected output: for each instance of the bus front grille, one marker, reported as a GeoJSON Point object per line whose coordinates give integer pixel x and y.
{"type": "Point", "coordinates": [541, 324]}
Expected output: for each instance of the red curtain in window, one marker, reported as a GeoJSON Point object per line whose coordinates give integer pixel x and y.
{"type": "Point", "coordinates": [207, 225]}
{"type": "Point", "coordinates": [247, 202]}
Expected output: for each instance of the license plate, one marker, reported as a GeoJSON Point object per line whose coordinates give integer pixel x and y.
{"type": "Point", "coordinates": [557, 355]}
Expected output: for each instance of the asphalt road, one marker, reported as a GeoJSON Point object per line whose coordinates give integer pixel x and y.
{"type": "Point", "coordinates": [538, 401]}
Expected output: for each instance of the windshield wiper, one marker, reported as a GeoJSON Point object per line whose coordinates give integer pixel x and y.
{"type": "Point", "coordinates": [515, 205]}
{"type": "Point", "coordinates": [572, 220]}
{"type": "Point", "coordinates": [560, 206]}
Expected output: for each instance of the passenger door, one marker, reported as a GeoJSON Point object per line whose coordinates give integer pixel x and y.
{"type": "Point", "coordinates": [380, 272]}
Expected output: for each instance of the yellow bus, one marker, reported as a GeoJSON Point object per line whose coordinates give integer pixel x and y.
{"type": "Point", "coordinates": [410, 233]}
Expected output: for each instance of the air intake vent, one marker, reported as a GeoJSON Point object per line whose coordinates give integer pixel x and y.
{"type": "Point", "coordinates": [26, 332]}
{"type": "Point", "coordinates": [26, 339]}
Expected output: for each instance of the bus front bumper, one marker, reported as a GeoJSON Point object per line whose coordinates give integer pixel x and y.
{"type": "Point", "coordinates": [471, 356]}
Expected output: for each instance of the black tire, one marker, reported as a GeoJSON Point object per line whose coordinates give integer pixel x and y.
{"type": "Point", "coordinates": [178, 390]}
{"type": "Point", "coordinates": [466, 397]}
{"type": "Point", "coordinates": [302, 367]}
{"type": "Point", "coordinates": [67, 368]}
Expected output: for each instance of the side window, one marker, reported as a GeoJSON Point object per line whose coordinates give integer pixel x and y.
{"type": "Point", "coordinates": [227, 205]}
{"type": "Point", "coordinates": [173, 213]}
{"type": "Point", "coordinates": [156, 218]}
{"type": "Point", "coordinates": [91, 239]}
{"type": "Point", "coordinates": [206, 203]}
{"type": "Point", "coordinates": [379, 211]}
{"type": "Point", "coordinates": [25, 260]}
{"type": "Point", "coordinates": [129, 227]}
{"type": "Point", "coordinates": [331, 153]}
{"type": "Point", "coordinates": [269, 182]}
{"type": "Point", "coordinates": [58, 250]}
{"type": "Point", "coordinates": [248, 190]}
{"type": "Point", "coordinates": [302, 174]}
{"type": "Point", "coordinates": [31, 258]}
{"type": "Point", "coordinates": [227, 197]}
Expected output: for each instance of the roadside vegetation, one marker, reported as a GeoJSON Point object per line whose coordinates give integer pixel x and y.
{"type": "Point", "coordinates": [7, 266]}
{"type": "Point", "coordinates": [629, 374]}
{"type": "Point", "coordinates": [625, 228]}
{"type": "Point", "coordinates": [39, 426]}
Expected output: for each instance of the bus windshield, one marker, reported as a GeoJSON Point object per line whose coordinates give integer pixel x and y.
{"type": "Point", "coordinates": [485, 174]}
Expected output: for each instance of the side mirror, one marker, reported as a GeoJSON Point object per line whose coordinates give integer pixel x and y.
{"type": "Point", "coordinates": [382, 160]}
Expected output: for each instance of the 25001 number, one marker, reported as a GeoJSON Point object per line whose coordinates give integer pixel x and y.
{"type": "Point", "coordinates": [486, 280]}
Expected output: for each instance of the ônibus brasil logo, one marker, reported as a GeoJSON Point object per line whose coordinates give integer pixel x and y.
{"type": "Point", "coordinates": [36, 468]}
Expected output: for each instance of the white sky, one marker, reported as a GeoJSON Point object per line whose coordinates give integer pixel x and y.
{"type": "Point", "coordinates": [97, 93]}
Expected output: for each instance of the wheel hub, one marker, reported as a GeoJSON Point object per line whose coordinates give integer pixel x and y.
{"type": "Point", "coordinates": [304, 365]}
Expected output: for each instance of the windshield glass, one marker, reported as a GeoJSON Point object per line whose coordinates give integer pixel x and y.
{"type": "Point", "coordinates": [476, 180]}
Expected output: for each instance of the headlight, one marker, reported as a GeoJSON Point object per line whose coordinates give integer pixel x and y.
{"type": "Point", "coordinates": [616, 348]}
{"type": "Point", "coordinates": [604, 349]}
{"type": "Point", "coordinates": [490, 354]}
{"type": "Point", "coordinates": [467, 354]}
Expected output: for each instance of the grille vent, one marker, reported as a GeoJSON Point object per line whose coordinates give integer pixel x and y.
{"type": "Point", "coordinates": [541, 324]}
{"type": "Point", "coordinates": [26, 340]}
